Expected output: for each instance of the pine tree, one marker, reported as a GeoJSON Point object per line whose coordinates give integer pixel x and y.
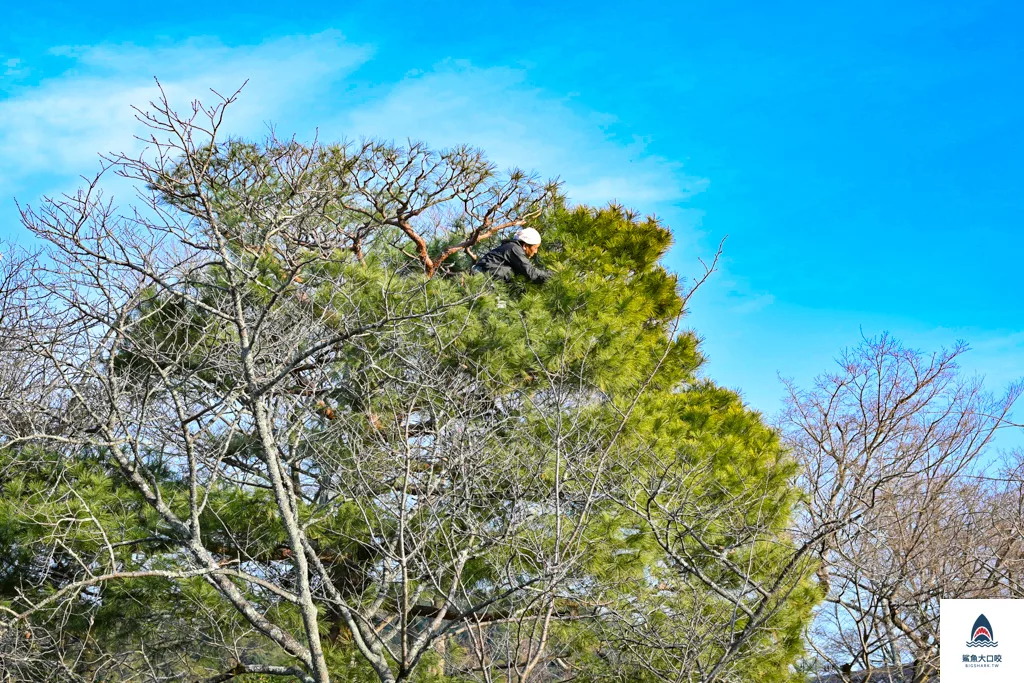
{"type": "Point", "coordinates": [309, 442]}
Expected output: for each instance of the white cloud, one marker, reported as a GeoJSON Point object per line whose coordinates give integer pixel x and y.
{"type": "Point", "coordinates": [58, 127]}
{"type": "Point", "coordinates": [518, 125]}
{"type": "Point", "coordinates": [52, 133]}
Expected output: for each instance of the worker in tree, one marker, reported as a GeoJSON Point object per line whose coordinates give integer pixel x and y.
{"type": "Point", "coordinates": [512, 257]}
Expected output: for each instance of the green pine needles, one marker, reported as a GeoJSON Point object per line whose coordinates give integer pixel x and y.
{"type": "Point", "coordinates": [274, 427]}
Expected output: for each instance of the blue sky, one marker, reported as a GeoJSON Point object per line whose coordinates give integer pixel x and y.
{"type": "Point", "coordinates": [865, 163]}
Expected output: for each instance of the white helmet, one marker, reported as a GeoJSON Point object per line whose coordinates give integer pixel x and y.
{"type": "Point", "coordinates": [528, 236]}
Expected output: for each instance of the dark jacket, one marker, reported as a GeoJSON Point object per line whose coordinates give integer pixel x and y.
{"type": "Point", "coordinates": [509, 259]}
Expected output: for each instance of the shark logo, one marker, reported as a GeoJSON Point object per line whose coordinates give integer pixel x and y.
{"type": "Point", "coordinates": [981, 634]}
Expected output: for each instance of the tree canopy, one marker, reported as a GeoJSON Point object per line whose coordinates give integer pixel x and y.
{"type": "Point", "coordinates": [270, 424]}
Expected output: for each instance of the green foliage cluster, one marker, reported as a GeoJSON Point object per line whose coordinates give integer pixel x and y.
{"type": "Point", "coordinates": [600, 344]}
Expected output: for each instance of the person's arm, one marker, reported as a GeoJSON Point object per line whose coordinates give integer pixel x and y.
{"type": "Point", "coordinates": [522, 265]}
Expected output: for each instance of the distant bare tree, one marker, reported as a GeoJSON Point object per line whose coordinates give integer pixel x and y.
{"type": "Point", "coordinates": [892, 447]}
